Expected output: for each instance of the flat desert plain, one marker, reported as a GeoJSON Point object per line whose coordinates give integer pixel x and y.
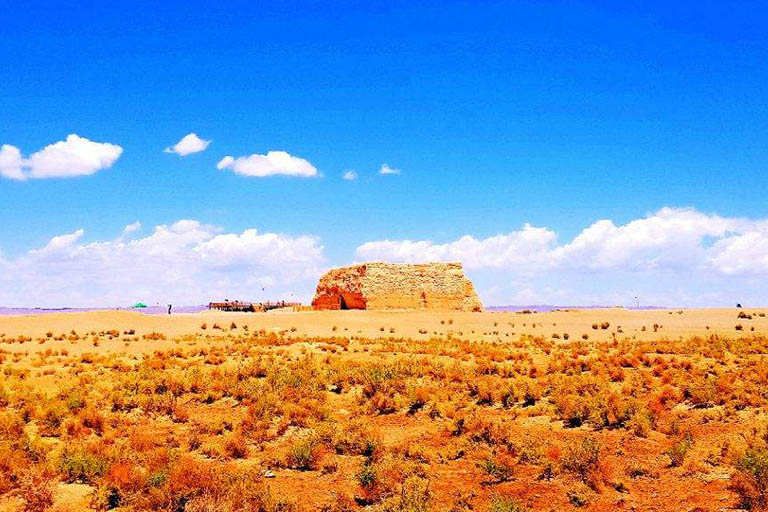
{"type": "Point", "coordinates": [603, 409]}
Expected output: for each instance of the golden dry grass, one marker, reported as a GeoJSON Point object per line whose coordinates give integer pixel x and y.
{"type": "Point", "coordinates": [399, 411]}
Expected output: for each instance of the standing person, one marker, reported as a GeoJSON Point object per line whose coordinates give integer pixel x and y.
{"type": "Point", "coordinates": [169, 308]}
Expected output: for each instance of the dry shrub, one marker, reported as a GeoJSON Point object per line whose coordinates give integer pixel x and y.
{"type": "Point", "coordinates": [572, 408]}
{"type": "Point", "coordinates": [641, 423]}
{"type": "Point", "coordinates": [11, 426]}
{"type": "Point", "coordinates": [142, 440]}
{"type": "Point", "coordinates": [339, 502]}
{"type": "Point", "coordinates": [91, 418]}
{"type": "Point", "coordinates": [481, 429]}
{"type": "Point", "coordinates": [383, 402]}
{"type": "Point", "coordinates": [584, 459]}
{"type": "Point", "coordinates": [500, 503]}
{"type": "Point", "coordinates": [187, 478]}
{"type": "Point", "coordinates": [498, 466]}
{"type": "Point", "coordinates": [15, 461]}
{"type": "Point", "coordinates": [613, 410]}
{"type": "Point", "coordinates": [616, 373]}
{"type": "Point", "coordinates": [125, 476]}
{"type": "Point", "coordinates": [357, 438]}
{"type": "Point", "coordinates": [381, 481]}
{"type": "Point", "coordinates": [414, 496]}
{"type": "Point", "coordinates": [305, 454]}
{"type": "Point", "coordinates": [370, 483]}
{"type": "Point", "coordinates": [50, 418]}
{"type": "Point", "coordinates": [677, 451]}
{"type": "Point", "coordinates": [750, 481]}
{"type": "Point", "coordinates": [180, 413]}
{"type": "Point", "coordinates": [36, 491]}
{"type": "Point", "coordinates": [417, 398]}
{"type": "Point", "coordinates": [235, 445]}
{"type": "Point", "coordinates": [664, 400]}
{"type": "Point", "coordinates": [83, 463]}
{"type": "Point", "coordinates": [582, 398]}
{"type": "Point", "coordinates": [217, 490]}
{"type": "Point", "coordinates": [484, 390]}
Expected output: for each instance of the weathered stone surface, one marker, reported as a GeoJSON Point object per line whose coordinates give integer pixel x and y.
{"type": "Point", "coordinates": [429, 286]}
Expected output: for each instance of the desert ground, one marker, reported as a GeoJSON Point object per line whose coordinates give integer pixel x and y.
{"type": "Point", "coordinates": [604, 409]}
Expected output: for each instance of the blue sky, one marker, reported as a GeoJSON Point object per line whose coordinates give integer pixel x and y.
{"type": "Point", "coordinates": [498, 114]}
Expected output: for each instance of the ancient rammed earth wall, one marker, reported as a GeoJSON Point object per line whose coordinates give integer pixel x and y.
{"type": "Point", "coordinates": [429, 286]}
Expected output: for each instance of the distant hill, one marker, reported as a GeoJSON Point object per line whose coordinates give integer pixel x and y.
{"type": "Point", "coordinates": [543, 308]}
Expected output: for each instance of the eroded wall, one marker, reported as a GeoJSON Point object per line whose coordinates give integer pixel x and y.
{"type": "Point", "coordinates": [381, 286]}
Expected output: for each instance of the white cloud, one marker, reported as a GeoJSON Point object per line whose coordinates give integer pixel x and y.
{"type": "Point", "coordinates": [349, 176]}
{"type": "Point", "coordinates": [386, 169]}
{"type": "Point", "coordinates": [189, 144]}
{"type": "Point", "coordinates": [519, 248]}
{"type": "Point", "coordinates": [130, 228]}
{"type": "Point", "coordinates": [670, 238]}
{"type": "Point", "coordinates": [183, 263]}
{"type": "Point", "coordinates": [60, 242]}
{"type": "Point", "coordinates": [75, 156]}
{"type": "Point", "coordinates": [11, 162]}
{"type": "Point", "coordinates": [674, 254]}
{"type": "Point", "coordinates": [742, 254]}
{"type": "Point", "coordinates": [295, 256]}
{"type": "Point", "coordinates": [273, 163]}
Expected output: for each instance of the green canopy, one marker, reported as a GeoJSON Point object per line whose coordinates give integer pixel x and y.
{"type": "Point", "coordinates": [139, 305]}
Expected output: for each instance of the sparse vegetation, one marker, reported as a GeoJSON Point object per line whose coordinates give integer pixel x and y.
{"type": "Point", "coordinates": [498, 468]}
{"type": "Point", "coordinates": [208, 418]}
{"type": "Point", "coordinates": [678, 451]}
{"type": "Point", "coordinates": [751, 479]}
{"type": "Point", "coordinates": [504, 504]}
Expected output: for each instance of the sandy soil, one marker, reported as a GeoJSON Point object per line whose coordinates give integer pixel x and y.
{"type": "Point", "coordinates": [487, 326]}
{"type": "Point", "coordinates": [45, 355]}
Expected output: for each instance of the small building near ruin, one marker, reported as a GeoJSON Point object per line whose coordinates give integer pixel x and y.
{"type": "Point", "coordinates": [428, 286]}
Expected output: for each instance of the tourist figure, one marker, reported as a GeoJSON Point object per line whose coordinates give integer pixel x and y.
{"type": "Point", "coordinates": [169, 308]}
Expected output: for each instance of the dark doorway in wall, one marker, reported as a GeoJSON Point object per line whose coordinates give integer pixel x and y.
{"type": "Point", "coordinates": [342, 303]}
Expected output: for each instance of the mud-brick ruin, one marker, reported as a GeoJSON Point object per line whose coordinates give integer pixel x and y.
{"type": "Point", "coordinates": [377, 286]}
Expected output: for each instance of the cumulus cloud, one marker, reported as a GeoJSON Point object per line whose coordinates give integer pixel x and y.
{"type": "Point", "coordinates": [271, 164]}
{"type": "Point", "coordinates": [673, 251]}
{"type": "Point", "coordinates": [75, 156]}
{"type": "Point", "coordinates": [669, 238]}
{"type": "Point", "coordinates": [189, 144]}
{"type": "Point", "coordinates": [11, 163]}
{"type": "Point", "coordinates": [130, 228]}
{"type": "Point", "coordinates": [741, 254]}
{"type": "Point", "coordinates": [519, 248]}
{"type": "Point", "coordinates": [59, 243]}
{"type": "Point", "coordinates": [349, 176]}
{"type": "Point", "coordinates": [386, 169]}
{"type": "Point", "coordinates": [674, 256]}
{"type": "Point", "coordinates": [187, 262]}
